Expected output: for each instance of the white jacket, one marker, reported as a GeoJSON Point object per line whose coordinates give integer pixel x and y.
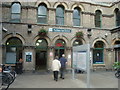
{"type": "Point", "coordinates": [56, 65]}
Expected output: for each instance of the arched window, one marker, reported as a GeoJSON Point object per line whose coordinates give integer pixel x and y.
{"type": "Point", "coordinates": [15, 12]}
{"type": "Point", "coordinates": [117, 51]}
{"type": "Point", "coordinates": [77, 42]}
{"type": "Point", "coordinates": [60, 15]}
{"type": "Point", "coordinates": [117, 16]}
{"type": "Point", "coordinates": [42, 14]}
{"type": "Point", "coordinates": [13, 50]}
{"type": "Point", "coordinates": [98, 53]}
{"type": "Point", "coordinates": [76, 17]}
{"type": "Point", "coordinates": [98, 16]}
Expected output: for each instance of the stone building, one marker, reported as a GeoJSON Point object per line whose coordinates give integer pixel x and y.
{"type": "Point", "coordinates": [23, 21]}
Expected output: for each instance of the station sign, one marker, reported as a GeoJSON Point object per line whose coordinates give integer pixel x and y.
{"type": "Point", "coordinates": [59, 30]}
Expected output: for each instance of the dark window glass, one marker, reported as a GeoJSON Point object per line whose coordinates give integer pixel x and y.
{"type": "Point", "coordinates": [98, 53]}
{"type": "Point", "coordinates": [15, 12]}
{"type": "Point", "coordinates": [60, 15]}
{"type": "Point", "coordinates": [76, 17]}
{"type": "Point", "coordinates": [42, 14]}
{"type": "Point", "coordinates": [117, 17]}
{"type": "Point", "coordinates": [98, 18]}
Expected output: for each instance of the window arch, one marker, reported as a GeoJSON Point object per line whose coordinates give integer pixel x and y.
{"type": "Point", "coordinates": [98, 53]}
{"type": "Point", "coordinates": [117, 16]}
{"type": "Point", "coordinates": [42, 14]}
{"type": "Point", "coordinates": [76, 16]}
{"type": "Point", "coordinates": [60, 15]}
{"type": "Point", "coordinates": [98, 18]}
{"type": "Point", "coordinates": [15, 12]}
{"type": "Point", "coordinates": [13, 50]}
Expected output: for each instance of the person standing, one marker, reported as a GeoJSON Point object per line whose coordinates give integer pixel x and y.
{"type": "Point", "coordinates": [63, 62]}
{"type": "Point", "coordinates": [55, 67]}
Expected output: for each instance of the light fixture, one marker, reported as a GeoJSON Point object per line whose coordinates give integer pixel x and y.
{"type": "Point", "coordinates": [29, 28]}
{"type": "Point", "coordinates": [89, 32]}
{"type": "Point", "coordinates": [4, 29]}
{"type": "Point", "coordinates": [106, 35]}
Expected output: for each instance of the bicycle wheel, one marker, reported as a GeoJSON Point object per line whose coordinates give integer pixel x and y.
{"type": "Point", "coordinates": [7, 79]}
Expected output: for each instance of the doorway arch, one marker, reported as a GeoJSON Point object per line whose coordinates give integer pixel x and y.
{"type": "Point", "coordinates": [41, 54]}
{"type": "Point", "coordinates": [13, 50]}
{"type": "Point", "coordinates": [60, 45]}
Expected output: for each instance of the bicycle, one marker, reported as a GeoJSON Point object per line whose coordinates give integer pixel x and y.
{"type": "Point", "coordinates": [8, 76]}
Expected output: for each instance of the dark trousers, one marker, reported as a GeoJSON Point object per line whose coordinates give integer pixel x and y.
{"type": "Point", "coordinates": [55, 75]}
{"type": "Point", "coordinates": [62, 72]}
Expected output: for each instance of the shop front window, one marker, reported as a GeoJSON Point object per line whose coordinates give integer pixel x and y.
{"type": "Point", "coordinates": [117, 51]}
{"type": "Point", "coordinates": [13, 50]}
{"type": "Point", "coordinates": [98, 53]}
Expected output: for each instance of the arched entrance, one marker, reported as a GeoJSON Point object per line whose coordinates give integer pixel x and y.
{"type": "Point", "coordinates": [117, 51]}
{"type": "Point", "coordinates": [41, 54]}
{"type": "Point", "coordinates": [13, 50]}
{"type": "Point", "coordinates": [60, 47]}
{"type": "Point", "coordinates": [98, 53]}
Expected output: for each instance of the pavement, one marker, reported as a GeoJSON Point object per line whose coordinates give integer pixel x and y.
{"type": "Point", "coordinates": [98, 79]}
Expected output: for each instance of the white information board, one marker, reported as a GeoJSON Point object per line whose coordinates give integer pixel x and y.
{"type": "Point", "coordinates": [81, 60]}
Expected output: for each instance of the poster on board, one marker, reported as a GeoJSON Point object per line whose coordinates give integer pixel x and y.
{"type": "Point", "coordinates": [81, 60]}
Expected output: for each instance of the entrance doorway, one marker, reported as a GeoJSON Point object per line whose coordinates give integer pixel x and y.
{"type": "Point", "coordinates": [59, 52]}
{"type": "Point", "coordinates": [59, 47]}
{"type": "Point", "coordinates": [41, 54]}
{"type": "Point", "coordinates": [41, 60]}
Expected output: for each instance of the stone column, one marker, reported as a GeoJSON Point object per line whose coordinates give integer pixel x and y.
{"type": "Point", "coordinates": [69, 57]}
{"type": "Point", "coordinates": [50, 57]}
{"type": "Point", "coordinates": [108, 58]}
{"type": "Point", "coordinates": [68, 18]}
{"type": "Point", "coordinates": [29, 65]}
{"type": "Point", "coordinates": [51, 19]}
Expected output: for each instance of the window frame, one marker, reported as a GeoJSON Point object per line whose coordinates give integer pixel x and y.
{"type": "Point", "coordinates": [41, 15]}
{"type": "Point", "coordinates": [60, 17]}
{"type": "Point", "coordinates": [98, 20]}
{"type": "Point", "coordinates": [16, 13]}
{"type": "Point", "coordinates": [117, 16]}
{"type": "Point", "coordinates": [79, 11]}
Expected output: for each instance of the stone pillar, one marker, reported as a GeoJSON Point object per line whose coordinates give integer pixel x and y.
{"type": "Point", "coordinates": [29, 65]}
{"type": "Point", "coordinates": [68, 20]}
{"type": "Point", "coordinates": [52, 16]}
{"type": "Point", "coordinates": [69, 57]}
{"type": "Point", "coordinates": [50, 57]}
{"type": "Point", "coordinates": [108, 59]}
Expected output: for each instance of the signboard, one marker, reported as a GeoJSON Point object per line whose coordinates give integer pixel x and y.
{"type": "Point", "coordinates": [81, 60]}
{"type": "Point", "coordinates": [28, 56]}
{"type": "Point", "coordinates": [59, 30]}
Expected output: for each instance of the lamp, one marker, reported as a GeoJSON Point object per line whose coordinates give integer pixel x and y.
{"type": "Point", "coordinates": [4, 29]}
{"type": "Point", "coordinates": [89, 32]}
{"type": "Point", "coordinates": [29, 28]}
